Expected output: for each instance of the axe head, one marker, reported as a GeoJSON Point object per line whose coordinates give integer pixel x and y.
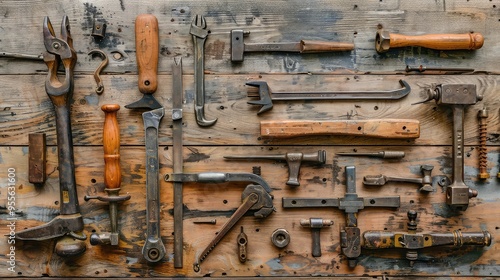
{"type": "Point", "coordinates": [264, 94]}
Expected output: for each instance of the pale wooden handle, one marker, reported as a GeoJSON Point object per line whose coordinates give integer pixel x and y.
{"type": "Point", "coordinates": [146, 44]}
{"type": "Point", "coordinates": [379, 128]}
{"type": "Point", "coordinates": [111, 145]}
{"type": "Point", "coordinates": [308, 46]}
{"type": "Point", "coordinates": [468, 41]}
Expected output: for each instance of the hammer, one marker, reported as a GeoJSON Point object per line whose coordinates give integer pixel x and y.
{"type": "Point", "coordinates": [468, 41]}
{"type": "Point", "coordinates": [238, 47]}
{"type": "Point", "coordinates": [425, 181]}
{"type": "Point", "coordinates": [316, 224]}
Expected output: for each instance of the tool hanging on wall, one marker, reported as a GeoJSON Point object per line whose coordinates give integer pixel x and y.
{"type": "Point", "coordinates": [242, 241]}
{"type": "Point", "coordinates": [22, 56]}
{"type": "Point", "coordinates": [413, 241]}
{"type": "Point", "coordinates": [381, 154]}
{"type": "Point", "coordinates": [100, 86]}
{"type": "Point", "coordinates": [316, 224]}
{"type": "Point", "coordinates": [238, 47]}
{"type": "Point", "coordinates": [468, 41]}
{"type": "Point", "coordinates": [379, 128]}
{"type": "Point", "coordinates": [457, 96]}
{"type": "Point", "coordinates": [199, 34]}
{"type": "Point", "coordinates": [294, 161]}
{"type": "Point", "coordinates": [37, 158]}
{"type": "Point", "coordinates": [351, 203]}
{"type": "Point", "coordinates": [112, 175]}
{"type": "Point", "coordinates": [427, 182]}
{"type": "Point", "coordinates": [482, 116]}
{"type": "Point", "coordinates": [267, 97]}
{"type": "Point", "coordinates": [69, 223]}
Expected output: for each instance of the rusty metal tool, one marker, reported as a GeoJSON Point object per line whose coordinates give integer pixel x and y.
{"type": "Point", "coordinates": [316, 224]}
{"type": "Point", "coordinates": [242, 241]}
{"type": "Point", "coordinates": [468, 41]}
{"type": "Point", "coordinates": [153, 249]}
{"type": "Point", "coordinates": [210, 222]}
{"type": "Point", "coordinates": [255, 197]}
{"type": "Point", "coordinates": [69, 223]}
{"type": "Point", "coordinates": [351, 203]}
{"type": "Point", "coordinates": [99, 29]}
{"type": "Point", "coordinates": [382, 154]}
{"type": "Point", "coordinates": [378, 128]}
{"type": "Point", "coordinates": [294, 161]}
{"type": "Point", "coordinates": [266, 97]}
{"type": "Point", "coordinates": [440, 70]}
{"type": "Point", "coordinates": [483, 150]}
{"type": "Point", "coordinates": [427, 182]}
{"type": "Point", "coordinates": [412, 241]}
{"type": "Point", "coordinates": [112, 175]}
{"type": "Point", "coordinates": [146, 43]}
{"type": "Point", "coordinates": [22, 56]}
{"type": "Point", "coordinates": [37, 157]}
{"type": "Point", "coordinates": [177, 161]}
{"type": "Point", "coordinates": [280, 237]}
{"type": "Point", "coordinates": [199, 34]}
{"type": "Point", "coordinates": [458, 96]}
{"type": "Point", "coordinates": [100, 86]}
{"type": "Point", "coordinates": [238, 47]}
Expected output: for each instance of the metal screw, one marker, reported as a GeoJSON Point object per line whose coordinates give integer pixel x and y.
{"type": "Point", "coordinates": [483, 153]}
{"type": "Point", "coordinates": [56, 45]}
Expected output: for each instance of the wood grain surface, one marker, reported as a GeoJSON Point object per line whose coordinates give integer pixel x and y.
{"type": "Point", "coordinates": [25, 108]}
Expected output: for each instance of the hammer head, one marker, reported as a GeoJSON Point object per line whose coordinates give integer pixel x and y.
{"type": "Point", "coordinates": [265, 96]}
{"type": "Point", "coordinates": [237, 45]}
{"type": "Point", "coordinates": [456, 94]}
{"type": "Point", "coordinates": [382, 41]}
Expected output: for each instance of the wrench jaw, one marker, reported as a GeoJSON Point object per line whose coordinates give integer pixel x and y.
{"type": "Point", "coordinates": [153, 250]}
{"type": "Point", "coordinates": [264, 94]}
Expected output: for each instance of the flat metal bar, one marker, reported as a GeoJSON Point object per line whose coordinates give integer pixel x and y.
{"type": "Point", "coordinates": [273, 47]}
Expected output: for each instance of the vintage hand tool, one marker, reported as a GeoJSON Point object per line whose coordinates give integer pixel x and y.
{"type": "Point", "coordinates": [350, 204]}
{"type": "Point", "coordinates": [294, 161]}
{"type": "Point", "coordinates": [146, 43]}
{"type": "Point", "coordinates": [266, 97]}
{"type": "Point", "coordinates": [69, 222]}
{"type": "Point", "coordinates": [468, 41]}
{"type": "Point", "coordinates": [209, 222]}
{"type": "Point", "coordinates": [427, 182]}
{"type": "Point", "coordinates": [242, 241]}
{"type": "Point", "coordinates": [100, 86]}
{"type": "Point", "coordinates": [199, 34]}
{"type": "Point", "coordinates": [412, 241]}
{"type": "Point", "coordinates": [37, 155]}
{"type": "Point", "coordinates": [438, 70]}
{"type": "Point", "coordinates": [483, 151]}
{"type": "Point", "coordinates": [280, 237]}
{"type": "Point", "coordinates": [22, 56]}
{"type": "Point", "coordinates": [112, 175]}
{"type": "Point", "coordinates": [316, 224]}
{"type": "Point", "coordinates": [379, 128]}
{"type": "Point", "coordinates": [177, 159]}
{"type": "Point", "coordinates": [255, 197]}
{"type": "Point", "coordinates": [382, 154]}
{"type": "Point", "coordinates": [457, 96]}
{"type": "Point", "coordinates": [238, 47]}
{"type": "Point", "coordinates": [153, 249]}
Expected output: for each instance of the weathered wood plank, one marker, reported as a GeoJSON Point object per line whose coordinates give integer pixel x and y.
{"type": "Point", "coordinates": [219, 200]}
{"type": "Point", "coordinates": [30, 110]}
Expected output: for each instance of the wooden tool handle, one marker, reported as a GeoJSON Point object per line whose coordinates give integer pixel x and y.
{"type": "Point", "coordinates": [308, 46]}
{"type": "Point", "coordinates": [468, 41]}
{"type": "Point", "coordinates": [146, 44]}
{"type": "Point", "coordinates": [379, 128]}
{"type": "Point", "coordinates": [111, 145]}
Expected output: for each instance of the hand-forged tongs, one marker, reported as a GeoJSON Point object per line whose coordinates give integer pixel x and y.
{"type": "Point", "coordinates": [69, 222]}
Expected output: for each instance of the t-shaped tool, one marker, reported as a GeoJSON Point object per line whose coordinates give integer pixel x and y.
{"type": "Point", "coordinates": [351, 203]}
{"type": "Point", "coordinates": [316, 224]}
{"type": "Point", "coordinates": [294, 160]}
{"type": "Point", "coordinates": [427, 182]}
{"type": "Point", "coordinates": [238, 47]}
{"type": "Point", "coordinates": [458, 97]}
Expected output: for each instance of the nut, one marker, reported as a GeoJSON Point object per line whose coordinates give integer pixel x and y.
{"type": "Point", "coordinates": [280, 238]}
{"type": "Point", "coordinates": [382, 41]}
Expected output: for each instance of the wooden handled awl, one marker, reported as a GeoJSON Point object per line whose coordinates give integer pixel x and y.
{"type": "Point", "coordinates": [468, 41]}
{"type": "Point", "coordinates": [379, 128]}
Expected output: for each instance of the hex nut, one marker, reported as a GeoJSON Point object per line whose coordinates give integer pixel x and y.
{"type": "Point", "coordinates": [382, 41]}
{"type": "Point", "coordinates": [280, 238]}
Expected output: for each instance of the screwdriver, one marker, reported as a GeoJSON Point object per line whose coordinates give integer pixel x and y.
{"type": "Point", "coordinates": [383, 154]}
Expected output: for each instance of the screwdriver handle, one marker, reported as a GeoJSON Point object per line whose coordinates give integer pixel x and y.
{"type": "Point", "coordinates": [309, 46]}
{"type": "Point", "coordinates": [146, 44]}
{"type": "Point", "coordinates": [111, 145]}
{"type": "Point", "coordinates": [468, 41]}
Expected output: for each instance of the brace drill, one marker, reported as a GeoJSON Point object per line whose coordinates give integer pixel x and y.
{"type": "Point", "coordinates": [69, 222]}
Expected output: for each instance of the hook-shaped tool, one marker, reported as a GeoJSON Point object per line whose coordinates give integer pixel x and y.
{"type": "Point", "coordinates": [100, 86]}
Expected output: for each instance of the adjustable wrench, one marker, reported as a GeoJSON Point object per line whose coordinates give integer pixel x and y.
{"type": "Point", "coordinates": [199, 33]}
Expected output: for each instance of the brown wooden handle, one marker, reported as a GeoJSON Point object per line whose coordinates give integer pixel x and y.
{"type": "Point", "coordinates": [379, 128]}
{"type": "Point", "coordinates": [468, 41]}
{"type": "Point", "coordinates": [111, 145]}
{"type": "Point", "coordinates": [146, 44]}
{"type": "Point", "coordinates": [308, 46]}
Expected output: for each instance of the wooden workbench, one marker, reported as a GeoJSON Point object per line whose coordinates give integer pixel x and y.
{"type": "Point", "coordinates": [25, 108]}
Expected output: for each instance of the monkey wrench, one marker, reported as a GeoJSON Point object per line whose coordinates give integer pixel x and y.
{"type": "Point", "coordinates": [266, 97]}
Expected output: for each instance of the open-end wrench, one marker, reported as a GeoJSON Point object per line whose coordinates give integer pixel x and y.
{"type": "Point", "coordinates": [199, 33]}
{"type": "Point", "coordinates": [153, 250]}
{"type": "Point", "coordinates": [266, 98]}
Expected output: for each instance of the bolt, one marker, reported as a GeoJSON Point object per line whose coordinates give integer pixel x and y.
{"type": "Point", "coordinates": [483, 153]}
{"type": "Point", "coordinates": [211, 222]}
{"type": "Point", "coordinates": [56, 45]}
